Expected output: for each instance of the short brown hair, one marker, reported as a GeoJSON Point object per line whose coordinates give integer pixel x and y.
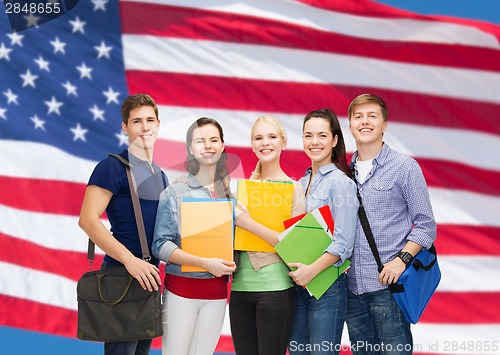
{"type": "Point", "coordinates": [368, 99]}
{"type": "Point", "coordinates": [134, 101]}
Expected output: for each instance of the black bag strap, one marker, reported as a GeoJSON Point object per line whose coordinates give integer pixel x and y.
{"type": "Point", "coordinates": [366, 228]}
{"type": "Point", "coordinates": [417, 264]}
{"type": "Point", "coordinates": [137, 212]}
{"type": "Point", "coordinates": [368, 233]}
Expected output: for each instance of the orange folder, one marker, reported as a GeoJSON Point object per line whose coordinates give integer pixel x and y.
{"type": "Point", "coordinates": [207, 227]}
{"type": "Point", "coordinates": [269, 203]}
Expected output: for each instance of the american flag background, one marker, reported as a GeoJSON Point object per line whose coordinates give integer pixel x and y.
{"type": "Point", "coordinates": [62, 83]}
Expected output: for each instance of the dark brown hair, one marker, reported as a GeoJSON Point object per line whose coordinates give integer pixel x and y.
{"type": "Point", "coordinates": [338, 152]}
{"type": "Point", "coordinates": [134, 101]}
{"type": "Point", "coordinates": [221, 178]}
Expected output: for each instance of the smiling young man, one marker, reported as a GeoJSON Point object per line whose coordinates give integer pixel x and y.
{"type": "Point", "coordinates": [108, 190]}
{"type": "Point", "coordinates": [397, 204]}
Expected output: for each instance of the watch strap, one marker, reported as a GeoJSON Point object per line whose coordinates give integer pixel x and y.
{"type": "Point", "coordinates": [405, 256]}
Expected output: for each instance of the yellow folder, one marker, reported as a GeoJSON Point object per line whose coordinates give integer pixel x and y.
{"type": "Point", "coordinates": [207, 229]}
{"type": "Point", "coordinates": [269, 203]}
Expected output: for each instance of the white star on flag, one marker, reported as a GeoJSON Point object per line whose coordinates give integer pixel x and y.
{"type": "Point", "coordinates": [11, 97]}
{"type": "Point", "coordinates": [32, 20]}
{"type": "Point", "coordinates": [85, 71]}
{"type": "Point", "coordinates": [38, 122]}
{"type": "Point", "coordinates": [54, 106]}
{"type": "Point", "coordinates": [42, 63]}
{"type": "Point", "coordinates": [99, 5]}
{"type": "Point", "coordinates": [79, 133]}
{"type": "Point", "coordinates": [103, 50]}
{"type": "Point", "coordinates": [97, 112]}
{"type": "Point", "coordinates": [78, 25]}
{"type": "Point", "coordinates": [123, 138]}
{"type": "Point", "coordinates": [15, 38]}
{"type": "Point", "coordinates": [111, 96]}
{"type": "Point", "coordinates": [28, 79]}
{"type": "Point", "coordinates": [58, 46]}
{"type": "Point", "coordinates": [4, 52]}
{"type": "Point", "coordinates": [70, 88]}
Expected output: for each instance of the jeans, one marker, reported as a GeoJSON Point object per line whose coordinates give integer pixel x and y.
{"type": "Point", "coordinates": [191, 326]}
{"type": "Point", "coordinates": [377, 325]}
{"type": "Point", "coordinates": [140, 347]}
{"type": "Point", "coordinates": [261, 321]}
{"type": "Point", "coordinates": [318, 324]}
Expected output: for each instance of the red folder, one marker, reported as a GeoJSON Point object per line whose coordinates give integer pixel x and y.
{"type": "Point", "coordinates": [325, 213]}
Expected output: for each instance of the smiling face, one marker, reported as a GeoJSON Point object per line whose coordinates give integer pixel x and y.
{"type": "Point", "coordinates": [206, 145]}
{"type": "Point", "coordinates": [318, 141]}
{"type": "Point", "coordinates": [142, 127]}
{"type": "Point", "coordinates": [267, 141]}
{"type": "Point", "coordinates": [367, 124]}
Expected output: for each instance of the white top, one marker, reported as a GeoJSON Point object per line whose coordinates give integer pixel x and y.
{"type": "Point", "coordinates": [363, 167]}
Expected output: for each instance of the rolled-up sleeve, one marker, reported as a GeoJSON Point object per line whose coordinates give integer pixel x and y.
{"type": "Point", "coordinates": [166, 234]}
{"type": "Point", "coordinates": [419, 208]}
{"type": "Point", "coordinates": [344, 206]}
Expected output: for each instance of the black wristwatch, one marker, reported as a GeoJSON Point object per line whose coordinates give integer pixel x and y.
{"type": "Point", "coordinates": [405, 256]}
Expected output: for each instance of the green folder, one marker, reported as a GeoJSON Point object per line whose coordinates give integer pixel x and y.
{"type": "Point", "coordinates": [305, 242]}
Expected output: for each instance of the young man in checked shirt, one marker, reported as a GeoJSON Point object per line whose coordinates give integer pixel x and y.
{"type": "Point", "coordinates": [397, 204]}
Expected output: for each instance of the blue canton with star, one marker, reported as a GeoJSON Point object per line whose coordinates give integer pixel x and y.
{"type": "Point", "coordinates": [62, 82]}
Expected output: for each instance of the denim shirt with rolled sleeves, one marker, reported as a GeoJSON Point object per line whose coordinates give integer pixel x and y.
{"type": "Point", "coordinates": [167, 228]}
{"type": "Point", "coordinates": [398, 207]}
{"type": "Point", "coordinates": [330, 186]}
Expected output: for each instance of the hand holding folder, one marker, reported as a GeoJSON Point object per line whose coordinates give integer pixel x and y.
{"type": "Point", "coordinates": [207, 229]}
{"type": "Point", "coordinates": [304, 242]}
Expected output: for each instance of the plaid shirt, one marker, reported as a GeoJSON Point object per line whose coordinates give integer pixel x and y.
{"type": "Point", "coordinates": [398, 208]}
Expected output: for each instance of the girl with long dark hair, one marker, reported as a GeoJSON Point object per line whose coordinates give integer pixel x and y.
{"type": "Point", "coordinates": [318, 324]}
{"type": "Point", "coordinates": [194, 302]}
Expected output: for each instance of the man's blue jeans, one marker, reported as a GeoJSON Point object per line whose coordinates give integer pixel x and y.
{"type": "Point", "coordinates": [318, 324]}
{"type": "Point", "coordinates": [140, 347]}
{"type": "Point", "coordinates": [377, 325]}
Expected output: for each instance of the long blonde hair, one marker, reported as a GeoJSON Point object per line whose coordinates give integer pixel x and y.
{"type": "Point", "coordinates": [256, 173]}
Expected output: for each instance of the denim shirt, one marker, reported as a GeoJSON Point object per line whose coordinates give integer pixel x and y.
{"type": "Point", "coordinates": [398, 207]}
{"type": "Point", "coordinates": [167, 228]}
{"type": "Point", "coordinates": [330, 186]}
